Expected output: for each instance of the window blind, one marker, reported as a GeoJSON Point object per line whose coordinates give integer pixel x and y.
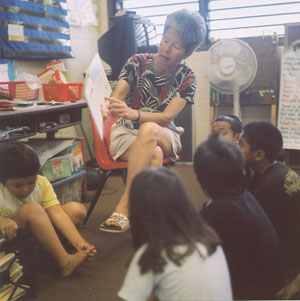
{"type": "Point", "coordinates": [225, 18]}
{"type": "Point", "coordinates": [247, 18]}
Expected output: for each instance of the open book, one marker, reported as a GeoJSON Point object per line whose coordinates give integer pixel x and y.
{"type": "Point", "coordinates": [96, 87]}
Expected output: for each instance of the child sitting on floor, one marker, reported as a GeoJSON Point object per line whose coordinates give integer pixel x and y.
{"type": "Point", "coordinates": [249, 240]}
{"type": "Point", "coordinates": [178, 256]}
{"type": "Point", "coordinates": [28, 201]}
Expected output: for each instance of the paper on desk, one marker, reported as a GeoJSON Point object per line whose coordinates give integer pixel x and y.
{"type": "Point", "coordinates": [96, 87]}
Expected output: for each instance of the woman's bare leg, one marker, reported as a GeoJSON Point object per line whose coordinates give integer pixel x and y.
{"type": "Point", "coordinates": [33, 217]}
{"type": "Point", "coordinates": [148, 149]}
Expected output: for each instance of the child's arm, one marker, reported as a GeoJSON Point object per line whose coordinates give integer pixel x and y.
{"type": "Point", "coordinates": [8, 227]}
{"type": "Point", "coordinates": [64, 224]}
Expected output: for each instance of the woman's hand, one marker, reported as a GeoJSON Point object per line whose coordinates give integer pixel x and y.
{"type": "Point", "coordinates": [104, 111]}
{"type": "Point", "coordinates": [118, 108]}
{"type": "Point", "coordinates": [8, 227]}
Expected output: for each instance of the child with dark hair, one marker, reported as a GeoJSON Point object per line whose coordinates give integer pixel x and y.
{"type": "Point", "coordinates": [28, 201]}
{"type": "Point", "coordinates": [178, 256]}
{"type": "Point", "coordinates": [250, 242]}
{"type": "Point", "coordinates": [230, 126]}
{"type": "Point", "coordinates": [275, 186]}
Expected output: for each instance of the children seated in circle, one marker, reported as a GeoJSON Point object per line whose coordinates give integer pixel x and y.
{"type": "Point", "coordinates": [249, 240]}
{"type": "Point", "coordinates": [177, 255]}
{"type": "Point", "coordinates": [277, 189]}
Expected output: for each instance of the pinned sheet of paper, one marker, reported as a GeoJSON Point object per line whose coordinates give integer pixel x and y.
{"type": "Point", "coordinates": [96, 87]}
{"type": "Point", "coordinates": [15, 32]}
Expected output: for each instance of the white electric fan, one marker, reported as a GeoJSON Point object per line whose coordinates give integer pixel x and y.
{"type": "Point", "coordinates": [231, 69]}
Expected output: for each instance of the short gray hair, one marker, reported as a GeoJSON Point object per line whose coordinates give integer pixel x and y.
{"type": "Point", "coordinates": [189, 25]}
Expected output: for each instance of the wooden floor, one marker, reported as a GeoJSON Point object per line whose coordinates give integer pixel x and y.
{"type": "Point", "coordinates": [101, 278]}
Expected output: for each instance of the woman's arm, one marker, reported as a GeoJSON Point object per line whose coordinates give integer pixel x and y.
{"type": "Point", "coordinates": [120, 93]}
{"type": "Point", "coordinates": [122, 89]}
{"type": "Point", "coordinates": [118, 108]}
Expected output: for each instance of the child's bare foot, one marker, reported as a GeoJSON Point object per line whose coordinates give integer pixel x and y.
{"type": "Point", "coordinates": [88, 248]}
{"type": "Point", "coordinates": [72, 262]}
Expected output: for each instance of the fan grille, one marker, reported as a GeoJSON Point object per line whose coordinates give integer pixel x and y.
{"type": "Point", "coordinates": [232, 66]}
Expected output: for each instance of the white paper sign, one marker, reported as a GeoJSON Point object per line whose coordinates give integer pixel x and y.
{"type": "Point", "coordinates": [15, 32]}
{"type": "Point", "coordinates": [96, 87]}
{"type": "Point", "coordinates": [4, 73]}
{"type": "Point", "coordinates": [289, 98]}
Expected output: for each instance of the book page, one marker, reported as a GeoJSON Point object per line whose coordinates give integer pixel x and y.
{"type": "Point", "coordinates": [96, 87]}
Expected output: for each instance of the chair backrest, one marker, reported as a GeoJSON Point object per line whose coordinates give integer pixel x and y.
{"type": "Point", "coordinates": [102, 153]}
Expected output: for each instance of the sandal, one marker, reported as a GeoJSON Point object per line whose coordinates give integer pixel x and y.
{"type": "Point", "coordinates": [121, 221]}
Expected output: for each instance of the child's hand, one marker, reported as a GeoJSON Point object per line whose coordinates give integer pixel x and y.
{"type": "Point", "coordinates": [87, 247]}
{"type": "Point", "coordinates": [8, 227]}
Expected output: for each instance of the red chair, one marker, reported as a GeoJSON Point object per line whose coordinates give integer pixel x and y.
{"type": "Point", "coordinates": [105, 160]}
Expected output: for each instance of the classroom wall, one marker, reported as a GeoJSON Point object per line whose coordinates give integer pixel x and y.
{"type": "Point", "coordinates": [84, 45]}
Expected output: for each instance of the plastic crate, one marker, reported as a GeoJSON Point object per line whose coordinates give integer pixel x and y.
{"type": "Point", "coordinates": [62, 92]}
{"type": "Point", "coordinates": [17, 90]}
{"type": "Point", "coordinates": [69, 189]}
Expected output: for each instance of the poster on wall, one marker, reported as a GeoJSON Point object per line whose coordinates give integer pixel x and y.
{"type": "Point", "coordinates": [289, 98]}
{"type": "Point", "coordinates": [82, 12]}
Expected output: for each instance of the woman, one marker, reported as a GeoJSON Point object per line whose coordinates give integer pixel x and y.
{"type": "Point", "coordinates": [178, 256]}
{"type": "Point", "coordinates": [151, 92]}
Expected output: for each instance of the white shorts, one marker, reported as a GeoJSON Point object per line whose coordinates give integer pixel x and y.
{"type": "Point", "coordinates": [122, 137]}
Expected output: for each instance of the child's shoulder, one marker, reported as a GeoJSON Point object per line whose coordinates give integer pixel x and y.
{"type": "Point", "coordinates": [42, 181]}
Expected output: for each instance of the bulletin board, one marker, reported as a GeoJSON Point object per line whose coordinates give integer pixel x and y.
{"type": "Point", "coordinates": [289, 98]}
{"type": "Point", "coordinates": [34, 29]}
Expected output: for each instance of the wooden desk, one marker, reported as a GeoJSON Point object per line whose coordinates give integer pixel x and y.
{"type": "Point", "coordinates": [43, 119]}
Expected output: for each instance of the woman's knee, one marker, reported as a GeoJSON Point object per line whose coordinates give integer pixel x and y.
{"type": "Point", "coordinates": [149, 131]}
{"type": "Point", "coordinates": [157, 158]}
{"type": "Point", "coordinates": [76, 211]}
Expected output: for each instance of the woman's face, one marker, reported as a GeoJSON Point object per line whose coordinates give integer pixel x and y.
{"type": "Point", "coordinates": [21, 187]}
{"type": "Point", "coordinates": [171, 49]}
